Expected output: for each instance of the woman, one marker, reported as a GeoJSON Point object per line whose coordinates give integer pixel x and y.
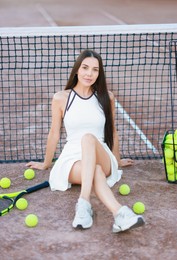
{"type": "Point", "coordinates": [91, 154]}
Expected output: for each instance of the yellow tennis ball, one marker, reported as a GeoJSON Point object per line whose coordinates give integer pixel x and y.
{"type": "Point", "coordinates": [5, 183]}
{"type": "Point", "coordinates": [169, 137]}
{"type": "Point", "coordinates": [170, 169]}
{"type": "Point", "coordinates": [175, 132]}
{"type": "Point", "coordinates": [171, 177]}
{"type": "Point", "coordinates": [169, 161]}
{"type": "Point", "coordinates": [168, 153]}
{"type": "Point", "coordinates": [21, 204]}
{"type": "Point", "coordinates": [139, 207]}
{"type": "Point", "coordinates": [29, 174]}
{"type": "Point", "coordinates": [124, 189]}
{"type": "Point", "coordinates": [31, 220]}
{"type": "Point", "coordinates": [169, 143]}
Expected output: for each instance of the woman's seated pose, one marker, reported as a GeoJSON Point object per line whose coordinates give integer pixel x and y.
{"type": "Point", "coordinates": [90, 156]}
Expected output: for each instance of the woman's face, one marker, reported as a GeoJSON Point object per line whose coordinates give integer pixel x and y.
{"type": "Point", "coordinates": [88, 71]}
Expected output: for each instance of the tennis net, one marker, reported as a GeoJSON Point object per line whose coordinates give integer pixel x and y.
{"type": "Point", "coordinates": [36, 62]}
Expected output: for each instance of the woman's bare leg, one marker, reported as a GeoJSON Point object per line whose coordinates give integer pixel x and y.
{"type": "Point", "coordinates": [95, 161]}
{"type": "Point", "coordinates": [91, 172]}
{"type": "Point", "coordinates": [103, 191]}
{"type": "Point", "coordinates": [83, 171]}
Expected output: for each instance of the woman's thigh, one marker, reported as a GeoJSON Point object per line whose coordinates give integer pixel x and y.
{"type": "Point", "coordinates": [102, 159]}
{"type": "Point", "coordinates": [75, 173]}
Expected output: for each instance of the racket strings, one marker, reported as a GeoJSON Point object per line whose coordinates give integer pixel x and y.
{"type": "Point", "coordinates": [5, 205]}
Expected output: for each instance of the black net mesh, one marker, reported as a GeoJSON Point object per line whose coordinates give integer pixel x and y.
{"type": "Point", "coordinates": [33, 68]}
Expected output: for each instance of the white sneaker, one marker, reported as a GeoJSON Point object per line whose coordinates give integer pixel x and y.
{"type": "Point", "coordinates": [127, 219]}
{"type": "Point", "coordinates": [83, 216]}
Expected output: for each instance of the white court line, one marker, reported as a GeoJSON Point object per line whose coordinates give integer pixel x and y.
{"type": "Point", "coordinates": [46, 16]}
{"type": "Point", "coordinates": [112, 17]}
{"type": "Point", "coordinates": [135, 127]}
{"type": "Point", "coordinates": [51, 21]}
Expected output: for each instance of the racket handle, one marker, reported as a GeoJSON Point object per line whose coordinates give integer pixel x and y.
{"type": "Point", "coordinates": [38, 187]}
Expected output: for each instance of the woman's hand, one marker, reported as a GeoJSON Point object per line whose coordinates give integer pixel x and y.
{"type": "Point", "coordinates": [37, 165]}
{"type": "Point", "coordinates": [126, 162]}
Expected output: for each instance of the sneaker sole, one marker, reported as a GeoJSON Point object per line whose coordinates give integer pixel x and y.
{"type": "Point", "coordinates": [140, 222]}
{"type": "Point", "coordinates": [80, 226]}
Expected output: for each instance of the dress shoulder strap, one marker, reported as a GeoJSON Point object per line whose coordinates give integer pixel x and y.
{"type": "Point", "coordinates": [70, 100]}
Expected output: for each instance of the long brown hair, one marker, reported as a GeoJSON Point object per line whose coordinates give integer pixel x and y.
{"type": "Point", "coordinates": [100, 87]}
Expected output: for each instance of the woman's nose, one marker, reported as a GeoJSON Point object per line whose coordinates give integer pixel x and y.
{"type": "Point", "coordinates": [89, 72]}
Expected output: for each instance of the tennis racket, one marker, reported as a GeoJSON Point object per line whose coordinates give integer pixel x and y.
{"type": "Point", "coordinates": [8, 201]}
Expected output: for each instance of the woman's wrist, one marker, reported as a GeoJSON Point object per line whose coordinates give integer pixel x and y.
{"type": "Point", "coordinates": [46, 165]}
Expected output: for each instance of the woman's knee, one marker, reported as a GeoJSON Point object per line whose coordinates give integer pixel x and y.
{"type": "Point", "coordinates": [88, 139]}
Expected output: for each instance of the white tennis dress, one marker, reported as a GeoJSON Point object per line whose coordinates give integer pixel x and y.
{"type": "Point", "coordinates": [82, 116]}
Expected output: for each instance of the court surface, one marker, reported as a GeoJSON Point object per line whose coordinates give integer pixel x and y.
{"type": "Point", "coordinates": [20, 13]}
{"type": "Point", "coordinates": [54, 237]}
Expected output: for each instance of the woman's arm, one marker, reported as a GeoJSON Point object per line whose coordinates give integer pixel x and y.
{"type": "Point", "coordinates": [53, 136]}
{"type": "Point", "coordinates": [115, 149]}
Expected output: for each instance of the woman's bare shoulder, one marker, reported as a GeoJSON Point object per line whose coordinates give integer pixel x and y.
{"type": "Point", "coordinates": [60, 100]}
{"type": "Point", "coordinates": [61, 95]}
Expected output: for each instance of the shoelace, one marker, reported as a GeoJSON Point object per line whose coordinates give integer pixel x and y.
{"type": "Point", "coordinates": [128, 213]}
